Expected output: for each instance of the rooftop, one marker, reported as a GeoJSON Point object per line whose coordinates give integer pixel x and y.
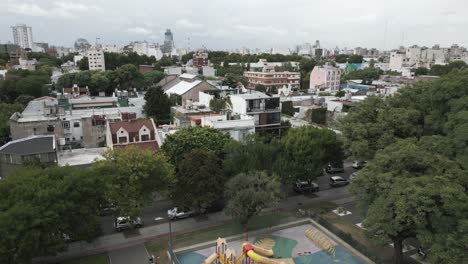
{"type": "Point", "coordinates": [132, 126]}
{"type": "Point", "coordinates": [30, 145]}
{"type": "Point", "coordinates": [77, 157]}
{"type": "Point", "coordinates": [252, 95]}
{"type": "Point", "coordinates": [182, 87]}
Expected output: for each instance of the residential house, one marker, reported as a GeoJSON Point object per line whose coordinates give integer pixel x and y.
{"type": "Point", "coordinates": [188, 86]}
{"type": "Point", "coordinates": [138, 133]}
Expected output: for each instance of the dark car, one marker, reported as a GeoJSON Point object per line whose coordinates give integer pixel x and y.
{"type": "Point", "coordinates": [334, 168]}
{"type": "Point", "coordinates": [337, 181]}
{"type": "Point", "coordinates": [305, 187]}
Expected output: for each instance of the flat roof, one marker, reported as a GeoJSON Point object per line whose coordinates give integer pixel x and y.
{"type": "Point", "coordinates": [80, 156]}
{"type": "Point", "coordinates": [252, 95]}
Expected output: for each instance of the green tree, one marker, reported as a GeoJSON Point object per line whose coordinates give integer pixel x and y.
{"type": "Point", "coordinates": [83, 64]}
{"type": "Point", "coordinates": [248, 193]}
{"type": "Point", "coordinates": [186, 57]}
{"type": "Point", "coordinates": [40, 208]}
{"type": "Point", "coordinates": [152, 78]}
{"type": "Point", "coordinates": [420, 71]}
{"type": "Point", "coordinates": [99, 83]}
{"type": "Point", "coordinates": [217, 104]}
{"type": "Point", "coordinates": [341, 58]}
{"type": "Point", "coordinates": [128, 76]}
{"type": "Point", "coordinates": [306, 151]}
{"type": "Point", "coordinates": [260, 88]}
{"type": "Point", "coordinates": [158, 105]}
{"type": "Point", "coordinates": [132, 176]}
{"type": "Point", "coordinates": [287, 108]}
{"type": "Point", "coordinates": [256, 154]}
{"type": "Point", "coordinates": [6, 110]}
{"type": "Point", "coordinates": [189, 138]}
{"type": "Point", "coordinates": [340, 94]}
{"type": "Point", "coordinates": [199, 181]}
{"type": "Point", "coordinates": [233, 80]}
{"type": "Point", "coordinates": [409, 192]}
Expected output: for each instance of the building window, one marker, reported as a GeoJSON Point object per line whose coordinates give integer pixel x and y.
{"type": "Point", "coordinates": [50, 128]}
{"type": "Point", "coordinates": [66, 124]}
{"type": "Point", "coordinates": [122, 140]}
{"type": "Point", "coordinates": [76, 124]}
{"type": "Point", "coordinates": [144, 137]}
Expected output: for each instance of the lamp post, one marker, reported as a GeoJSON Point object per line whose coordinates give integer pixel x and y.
{"type": "Point", "coordinates": [170, 240]}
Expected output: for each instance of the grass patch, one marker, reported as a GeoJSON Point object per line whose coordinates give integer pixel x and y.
{"type": "Point", "coordinates": [159, 247]}
{"type": "Point", "coordinates": [95, 259]}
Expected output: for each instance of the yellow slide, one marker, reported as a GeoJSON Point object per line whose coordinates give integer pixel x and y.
{"type": "Point", "coordinates": [211, 259]}
{"type": "Point", "coordinates": [253, 252]}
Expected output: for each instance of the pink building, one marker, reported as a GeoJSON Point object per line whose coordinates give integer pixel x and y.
{"type": "Point", "coordinates": [325, 78]}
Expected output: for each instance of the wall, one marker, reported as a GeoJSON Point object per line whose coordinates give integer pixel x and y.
{"type": "Point", "coordinates": [92, 135]}
{"type": "Point", "coordinates": [193, 93]}
{"type": "Point", "coordinates": [239, 105]}
{"type": "Point", "coordinates": [26, 129]}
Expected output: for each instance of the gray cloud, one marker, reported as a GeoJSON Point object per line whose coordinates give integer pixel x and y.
{"type": "Point", "coordinates": [222, 24]}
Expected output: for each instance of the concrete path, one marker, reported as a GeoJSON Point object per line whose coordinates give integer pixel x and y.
{"type": "Point", "coordinates": [134, 255]}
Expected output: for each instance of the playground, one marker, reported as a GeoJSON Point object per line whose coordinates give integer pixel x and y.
{"type": "Point", "coordinates": [300, 244]}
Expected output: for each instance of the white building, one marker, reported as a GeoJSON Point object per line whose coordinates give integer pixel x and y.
{"type": "Point", "coordinates": [265, 110]}
{"type": "Point", "coordinates": [238, 127]}
{"type": "Point", "coordinates": [96, 60]}
{"type": "Point", "coordinates": [22, 36]}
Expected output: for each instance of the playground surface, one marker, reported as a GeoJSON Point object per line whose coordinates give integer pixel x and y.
{"type": "Point", "coordinates": [289, 246]}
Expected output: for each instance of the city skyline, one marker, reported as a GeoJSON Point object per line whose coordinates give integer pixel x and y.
{"type": "Point", "coordinates": [255, 25]}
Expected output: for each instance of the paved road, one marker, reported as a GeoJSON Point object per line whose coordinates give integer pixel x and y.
{"type": "Point", "coordinates": [131, 255]}
{"type": "Point", "coordinates": [159, 208]}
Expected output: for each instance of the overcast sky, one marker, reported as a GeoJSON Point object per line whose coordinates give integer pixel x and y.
{"type": "Point", "coordinates": [223, 24]}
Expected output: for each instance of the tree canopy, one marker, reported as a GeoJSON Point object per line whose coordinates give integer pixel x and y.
{"type": "Point", "coordinates": [158, 105]}
{"type": "Point", "coordinates": [189, 138]}
{"type": "Point", "coordinates": [132, 175]}
{"type": "Point", "coordinates": [199, 181]}
{"type": "Point", "coordinates": [415, 184]}
{"type": "Point", "coordinates": [306, 151]}
{"type": "Point", "coordinates": [41, 209]}
{"type": "Point", "coordinates": [248, 193]}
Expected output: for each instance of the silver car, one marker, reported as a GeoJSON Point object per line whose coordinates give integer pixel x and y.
{"type": "Point", "coordinates": [122, 223]}
{"type": "Point", "coordinates": [177, 213]}
{"type": "Point", "coordinates": [337, 181]}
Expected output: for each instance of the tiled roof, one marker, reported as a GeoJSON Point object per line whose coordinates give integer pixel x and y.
{"type": "Point", "coordinates": [132, 126]}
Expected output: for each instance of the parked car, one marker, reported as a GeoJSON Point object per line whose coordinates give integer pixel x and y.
{"type": "Point", "coordinates": [359, 164]}
{"type": "Point", "coordinates": [334, 168]}
{"type": "Point", "coordinates": [177, 213]}
{"type": "Point", "coordinates": [337, 181]}
{"type": "Point", "coordinates": [305, 186]}
{"type": "Point", "coordinates": [352, 176]}
{"type": "Point", "coordinates": [122, 223]}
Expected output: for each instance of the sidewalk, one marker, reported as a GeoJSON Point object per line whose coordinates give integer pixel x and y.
{"type": "Point", "coordinates": [123, 240]}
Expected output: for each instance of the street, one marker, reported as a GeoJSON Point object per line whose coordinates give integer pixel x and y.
{"type": "Point", "coordinates": [158, 210]}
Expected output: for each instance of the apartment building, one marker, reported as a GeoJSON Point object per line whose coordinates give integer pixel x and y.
{"type": "Point", "coordinates": [96, 60]}
{"type": "Point", "coordinates": [325, 78]}
{"type": "Point", "coordinates": [271, 79]}
{"type": "Point", "coordinates": [22, 36]}
{"type": "Point", "coordinates": [265, 110]}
